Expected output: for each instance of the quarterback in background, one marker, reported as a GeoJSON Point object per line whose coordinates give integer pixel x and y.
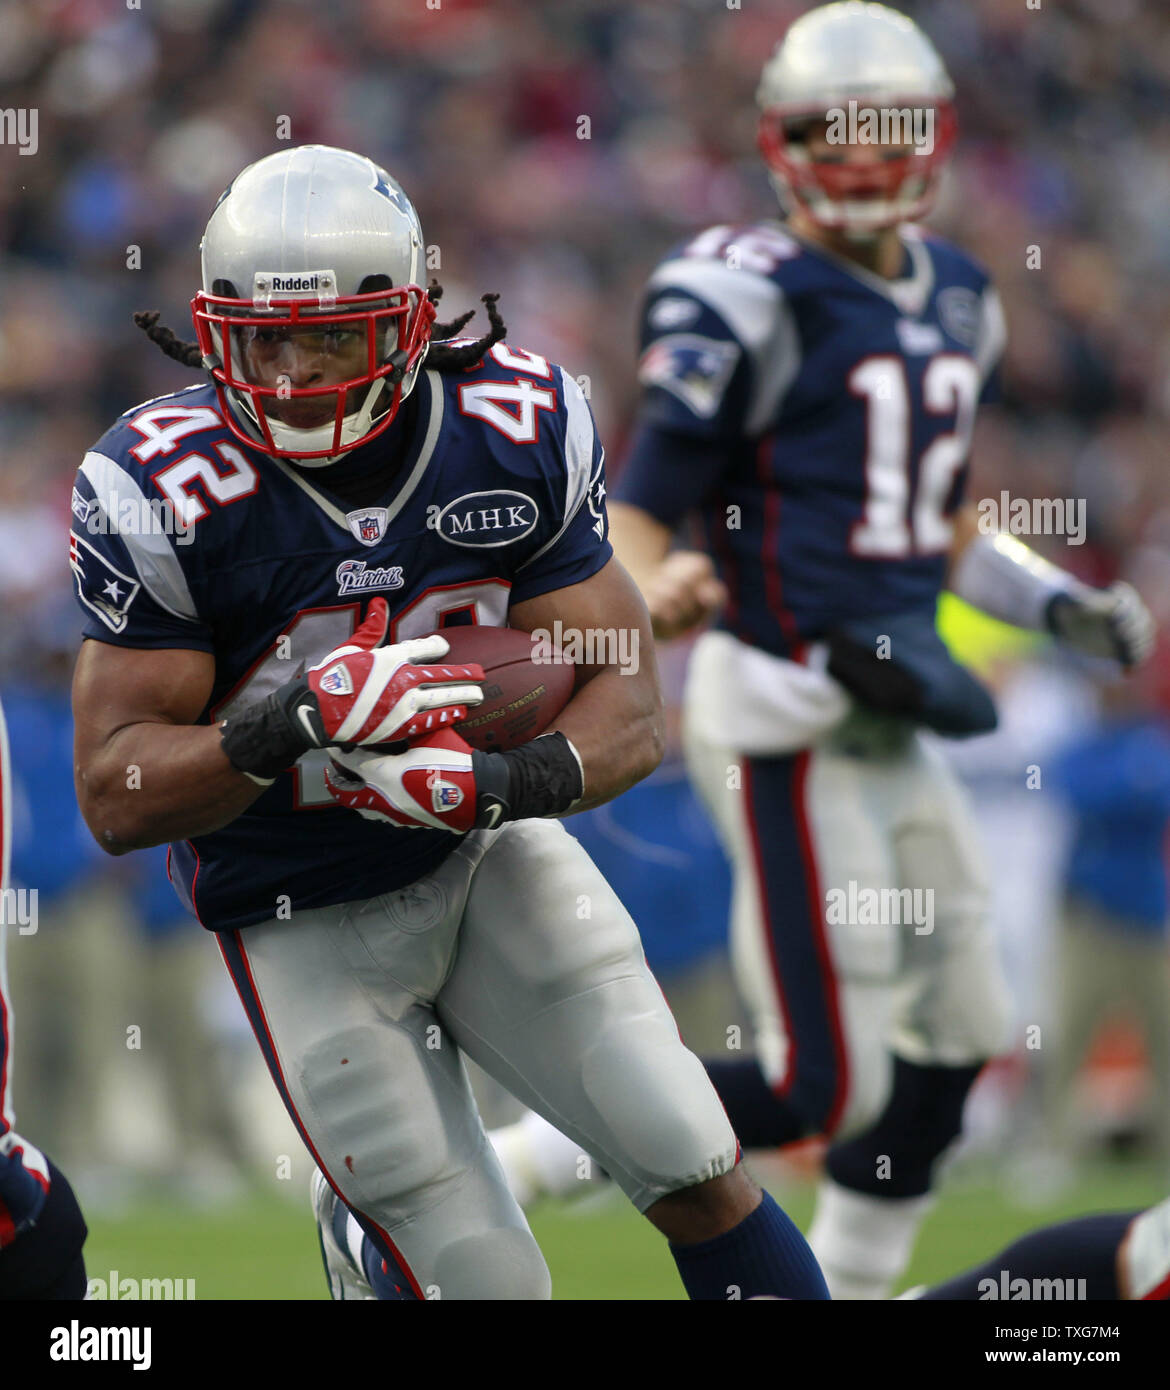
{"type": "Point", "coordinates": [810, 388]}
{"type": "Point", "coordinates": [265, 649]}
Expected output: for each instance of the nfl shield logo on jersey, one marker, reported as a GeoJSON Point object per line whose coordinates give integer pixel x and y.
{"type": "Point", "coordinates": [445, 796]}
{"type": "Point", "coordinates": [368, 525]}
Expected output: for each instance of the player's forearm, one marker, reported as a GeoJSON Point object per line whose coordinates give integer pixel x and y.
{"type": "Point", "coordinates": [615, 722]}
{"type": "Point", "coordinates": [640, 542]}
{"type": "Point", "coordinates": [156, 783]}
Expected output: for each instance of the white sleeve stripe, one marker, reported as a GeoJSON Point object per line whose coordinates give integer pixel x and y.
{"type": "Point", "coordinates": [148, 545]}
{"type": "Point", "coordinates": [579, 438]}
{"type": "Point", "coordinates": [758, 314]}
{"type": "Point", "coordinates": [992, 334]}
{"type": "Point", "coordinates": [579, 441]}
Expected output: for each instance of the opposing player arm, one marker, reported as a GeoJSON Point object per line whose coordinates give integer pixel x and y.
{"type": "Point", "coordinates": [614, 719]}
{"type": "Point", "coordinates": [667, 474]}
{"type": "Point", "coordinates": [1005, 579]}
{"type": "Point", "coordinates": [718, 350]}
{"type": "Point", "coordinates": [145, 773]}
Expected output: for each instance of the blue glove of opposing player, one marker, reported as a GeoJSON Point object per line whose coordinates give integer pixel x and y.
{"type": "Point", "coordinates": [24, 1185]}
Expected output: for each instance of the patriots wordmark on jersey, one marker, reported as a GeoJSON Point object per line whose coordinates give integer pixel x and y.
{"type": "Point", "coordinates": [843, 404]}
{"type": "Point", "coordinates": [499, 498]}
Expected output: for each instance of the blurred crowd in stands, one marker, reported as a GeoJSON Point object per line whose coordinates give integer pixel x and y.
{"type": "Point", "coordinates": [555, 152]}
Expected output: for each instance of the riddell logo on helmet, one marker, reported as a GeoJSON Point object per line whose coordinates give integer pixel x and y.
{"type": "Point", "coordinates": [268, 284]}
{"type": "Point", "coordinates": [285, 283]}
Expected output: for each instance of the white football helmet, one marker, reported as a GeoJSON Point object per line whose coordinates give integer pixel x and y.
{"type": "Point", "coordinates": [326, 240]}
{"type": "Point", "coordinates": [879, 59]}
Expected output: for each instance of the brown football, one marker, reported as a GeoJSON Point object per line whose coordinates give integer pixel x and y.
{"type": "Point", "coordinates": [522, 695]}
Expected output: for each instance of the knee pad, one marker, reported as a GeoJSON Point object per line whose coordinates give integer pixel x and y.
{"type": "Point", "coordinates": [499, 1264]}
{"type": "Point", "coordinates": [895, 1156]}
{"type": "Point", "coordinates": [45, 1261]}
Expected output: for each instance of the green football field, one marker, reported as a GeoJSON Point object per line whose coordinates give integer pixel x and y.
{"type": "Point", "coordinates": [596, 1246]}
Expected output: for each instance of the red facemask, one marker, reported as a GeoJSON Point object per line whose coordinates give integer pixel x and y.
{"type": "Point", "coordinates": [382, 336]}
{"type": "Point", "coordinates": [838, 192]}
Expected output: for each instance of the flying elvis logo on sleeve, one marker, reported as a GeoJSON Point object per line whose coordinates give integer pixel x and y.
{"type": "Point", "coordinates": [693, 368]}
{"type": "Point", "coordinates": [101, 586]}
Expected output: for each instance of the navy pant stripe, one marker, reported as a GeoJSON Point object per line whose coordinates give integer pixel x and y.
{"type": "Point", "coordinates": [792, 905]}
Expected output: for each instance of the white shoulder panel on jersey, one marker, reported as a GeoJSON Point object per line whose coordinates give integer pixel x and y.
{"type": "Point", "coordinates": [757, 312]}
{"type": "Point", "coordinates": [992, 337]}
{"type": "Point", "coordinates": [579, 440]}
{"type": "Point", "coordinates": [166, 396]}
{"type": "Point", "coordinates": [137, 521]}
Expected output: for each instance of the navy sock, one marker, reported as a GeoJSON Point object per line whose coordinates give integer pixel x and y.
{"type": "Point", "coordinates": [922, 1118]}
{"type": "Point", "coordinates": [765, 1256]}
{"type": "Point", "coordinates": [760, 1119]}
{"type": "Point", "coordinates": [1085, 1248]}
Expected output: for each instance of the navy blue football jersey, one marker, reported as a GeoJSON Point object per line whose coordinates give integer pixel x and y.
{"type": "Point", "coordinates": [817, 417]}
{"type": "Point", "coordinates": [184, 537]}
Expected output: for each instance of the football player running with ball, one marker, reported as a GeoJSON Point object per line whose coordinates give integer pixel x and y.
{"type": "Point", "coordinates": [346, 484]}
{"type": "Point", "coordinates": [809, 391]}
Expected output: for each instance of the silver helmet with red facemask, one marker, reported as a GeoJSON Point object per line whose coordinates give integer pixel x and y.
{"type": "Point", "coordinates": [853, 74]}
{"type": "Point", "coordinates": [312, 320]}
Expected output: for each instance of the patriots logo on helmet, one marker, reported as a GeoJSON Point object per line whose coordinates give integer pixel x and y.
{"type": "Point", "coordinates": [390, 188]}
{"type": "Point", "coordinates": [445, 796]}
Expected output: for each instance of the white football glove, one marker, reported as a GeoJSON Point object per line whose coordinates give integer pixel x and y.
{"type": "Point", "coordinates": [431, 784]}
{"type": "Point", "coordinates": [366, 693]}
{"type": "Point", "coordinates": [1112, 622]}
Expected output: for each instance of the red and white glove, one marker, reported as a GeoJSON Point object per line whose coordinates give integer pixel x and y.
{"type": "Point", "coordinates": [364, 693]}
{"type": "Point", "coordinates": [432, 784]}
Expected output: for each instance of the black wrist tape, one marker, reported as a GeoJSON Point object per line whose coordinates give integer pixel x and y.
{"type": "Point", "coordinates": [541, 778]}
{"type": "Point", "coordinates": [263, 740]}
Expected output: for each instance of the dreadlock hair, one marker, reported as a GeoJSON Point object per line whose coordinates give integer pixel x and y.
{"type": "Point", "coordinates": [162, 336]}
{"type": "Point", "coordinates": [441, 356]}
